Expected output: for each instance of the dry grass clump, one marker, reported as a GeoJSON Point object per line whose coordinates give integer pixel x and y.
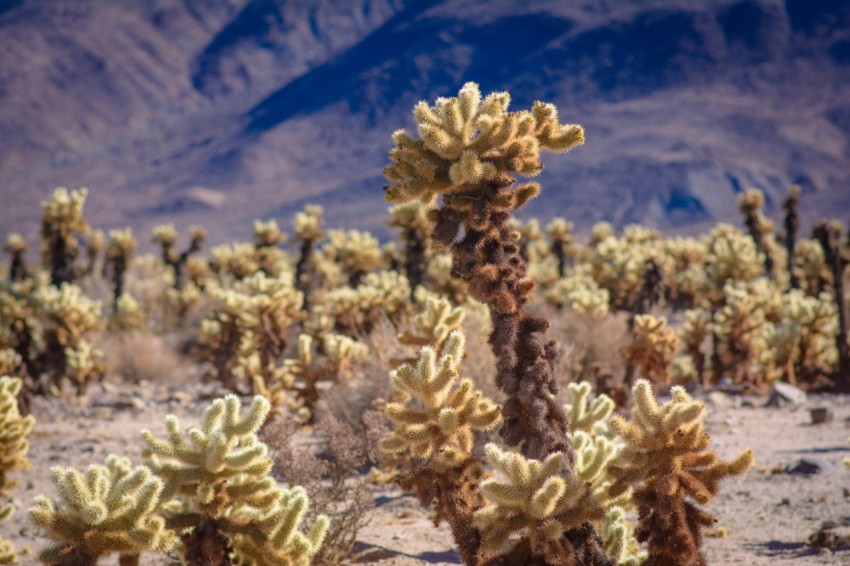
{"type": "Point", "coordinates": [141, 356]}
{"type": "Point", "coordinates": [330, 474]}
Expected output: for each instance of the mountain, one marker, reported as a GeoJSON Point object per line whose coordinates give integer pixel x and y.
{"type": "Point", "coordinates": [220, 112]}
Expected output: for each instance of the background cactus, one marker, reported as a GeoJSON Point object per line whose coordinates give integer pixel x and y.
{"type": "Point", "coordinates": [62, 224]}
{"type": "Point", "coordinates": [667, 460]}
{"type": "Point", "coordinates": [14, 429]}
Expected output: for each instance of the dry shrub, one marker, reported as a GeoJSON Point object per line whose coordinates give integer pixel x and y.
{"type": "Point", "coordinates": [331, 478]}
{"type": "Point", "coordinates": [138, 356]}
{"type": "Point", "coordinates": [590, 348]}
{"type": "Point", "coordinates": [348, 400]}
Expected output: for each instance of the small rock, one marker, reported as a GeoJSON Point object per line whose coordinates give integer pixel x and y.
{"type": "Point", "coordinates": [784, 394]}
{"type": "Point", "coordinates": [806, 467]}
{"type": "Point", "coordinates": [720, 399]}
{"type": "Point", "coordinates": [821, 415]}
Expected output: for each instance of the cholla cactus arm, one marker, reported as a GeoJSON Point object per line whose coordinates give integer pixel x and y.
{"type": "Point", "coordinates": [119, 252]}
{"type": "Point", "coordinates": [13, 433]}
{"type": "Point", "coordinates": [667, 461]}
{"type": "Point", "coordinates": [588, 416]}
{"type": "Point", "coordinates": [450, 412]}
{"type": "Point", "coordinates": [16, 247]}
{"type": "Point", "coordinates": [435, 320]}
{"type": "Point", "coordinates": [107, 509]}
{"type": "Point", "coordinates": [618, 537]}
{"type": "Point", "coordinates": [7, 549]}
{"type": "Point", "coordinates": [277, 541]}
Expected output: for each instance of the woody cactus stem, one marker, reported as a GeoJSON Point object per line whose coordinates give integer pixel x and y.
{"type": "Point", "coordinates": [468, 150]}
{"type": "Point", "coordinates": [791, 222]}
{"type": "Point", "coordinates": [829, 237]}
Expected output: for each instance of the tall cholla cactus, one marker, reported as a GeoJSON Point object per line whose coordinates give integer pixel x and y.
{"type": "Point", "coordinates": [828, 234]}
{"type": "Point", "coordinates": [652, 349]}
{"type": "Point", "coordinates": [686, 277]}
{"type": "Point", "coordinates": [791, 222]}
{"type": "Point", "coordinates": [468, 151]}
{"type": "Point", "coordinates": [16, 247]}
{"type": "Point", "coordinates": [563, 243]}
{"type": "Point", "coordinates": [438, 432]}
{"type": "Point", "coordinates": [13, 433]}
{"type": "Point", "coordinates": [412, 221]}
{"type": "Point", "coordinates": [696, 330]}
{"type": "Point", "coordinates": [7, 550]}
{"type": "Point", "coordinates": [219, 477]}
{"type": "Point", "coordinates": [308, 231]}
{"type": "Point", "coordinates": [119, 252]}
{"type": "Point", "coordinates": [166, 236]}
{"type": "Point", "coordinates": [667, 461]}
{"type": "Point", "coordinates": [108, 509]}
{"type": "Point", "coordinates": [356, 251]}
{"type": "Point", "coordinates": [759, 227]}
{"type": "Point", "coordinates": [62, 223]}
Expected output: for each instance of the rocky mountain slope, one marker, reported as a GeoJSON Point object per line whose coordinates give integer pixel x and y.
{"type": "Point", "coordinates": [220, 112]}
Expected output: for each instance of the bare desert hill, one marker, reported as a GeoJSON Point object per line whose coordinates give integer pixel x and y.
{"type": "Point", "coordinates": [220, 112]}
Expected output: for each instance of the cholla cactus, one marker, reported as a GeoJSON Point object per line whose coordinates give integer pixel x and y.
{"type": "Point", "coordinates": [16, 247]}
{"type": "Point", "coordinates": [564, 246]}
{"type": "Point", "coordinates": [119, 252]}
{"type": "Point", "coordinates": [732, 257]}
{"type": "Point", "coordinates": [810, 268]}
{"type": "Point", "coordinates": [67, 315]}
{"type": "Point", "coordinates": [791, 221]}
{"type": "Point", "coordinates": [238, 260]}
{"type": "Point", "coordinates": [588, 416]}
{"type": "Point", "coordinates": [7, 550]}
{"type": "Point", "coordinates": [759, 227]}
{"type": "Point", "coordinates": [358, 310]}
{"type": "Point", "coordinates": [14, 429]}
{"type": "Point", "coordinates": [697, 328]}
{"type": "Point", "coordinates": [357, 252]}
{"type": "Point", "coordinates": [739, 334]}
{"type": "Point", "coordinates": [267, 236]}
{"type": "Point", "coordinates": [463, 163]}
{"type": "Point", "coordinates": [667, 461]}
{"type": "Point", "coordinates": [166, 236]}
{"type": "Point", "coordinates": [308, 232]}
{"type": "Point", "coordinates": [128, 314]}
{"type": "Point", "coordinates": [652, 349]}
{"type": "Point", "coordinates": [219, 475]}
{"type": "Point", "coordinates": [542, 500]}
{"type": "Point", "coordinates": [62, 223]}
{"type": "Point", "coordinates": [579, 292]}
{"type": "Point", "coordinates": [94, 245]}
{"type": "Point", "coordinates": [438, 432]}
{"type": "Point", "coordinates": [108, 509]}
{"type": "Point", "coordinates": [303, 375]}
{"type": "Point", "coordinates": [10, 361]}
{"type": "Point", "coordinates": [415, 231]}
{"type": "Point", "coordinates": [251, 318]}
{"type": "Point", "coordinates": [801, 347]}
{"type": "Point", "coordinates": [685, 281]}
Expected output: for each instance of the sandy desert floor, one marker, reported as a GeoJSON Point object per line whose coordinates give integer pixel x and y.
{"type": "Point", "coordinates": [769, 513]}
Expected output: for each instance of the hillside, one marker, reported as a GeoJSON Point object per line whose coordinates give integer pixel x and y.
{"type": "Point", "coordinates": [220, 112]}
